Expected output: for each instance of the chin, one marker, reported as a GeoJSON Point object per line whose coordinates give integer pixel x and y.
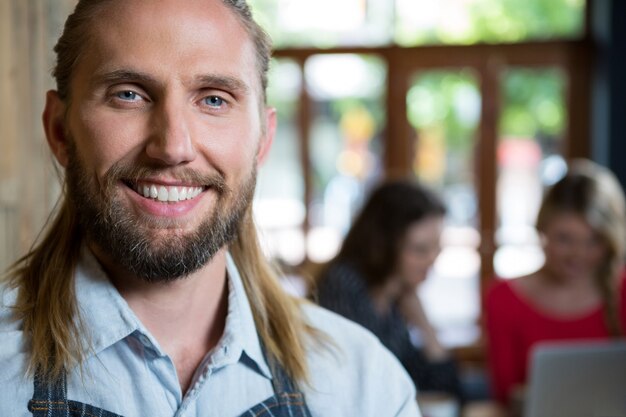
{"type": "Point", "coordinates": [416, 281]}
{"type": "Point", "coordinates": [575, 273]}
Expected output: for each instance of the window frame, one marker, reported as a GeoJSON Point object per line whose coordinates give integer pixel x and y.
{"type": "Point", "coordinates": [573, 57]}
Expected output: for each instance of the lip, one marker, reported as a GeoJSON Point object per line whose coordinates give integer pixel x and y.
{"type": "Point", "coordinates": [168, 182]}
{"type": "Point", "coordinates": [163, 209]}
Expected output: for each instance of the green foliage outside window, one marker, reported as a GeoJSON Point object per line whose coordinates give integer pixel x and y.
{"type": "Point", "coordinates": [420, 22]}
{"type": "Point", "coordinates": [492, 21]}
{"type": "Point", "coordinates": [533, 103]}
{"type": "Point", "coordinates": [447, 100]}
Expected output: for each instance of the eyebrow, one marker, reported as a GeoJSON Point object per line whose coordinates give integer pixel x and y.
{"type": "Point", "coordinates": [228, 83]}
{"type": "Point", "coordinates": [225, 82]}
{"type": "Point", "coordinates": [123, 75]}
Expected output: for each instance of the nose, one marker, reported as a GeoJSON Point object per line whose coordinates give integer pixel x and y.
{"type": "Point", "coordinates": [171, 142]}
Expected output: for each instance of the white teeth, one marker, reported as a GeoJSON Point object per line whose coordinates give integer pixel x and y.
{"type": "Point", "coordinates": [162, 194]}
{"type": "Point", "coordinates": [165, 194]}
{"type": "Point", "coordinates": [173, 194]}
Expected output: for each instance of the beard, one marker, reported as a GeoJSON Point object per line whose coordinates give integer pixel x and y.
{"type": "Point", "coordinates": [130, 239]}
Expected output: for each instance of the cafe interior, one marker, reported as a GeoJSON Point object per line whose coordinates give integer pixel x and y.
{"type": "Point", "coordinates": [483, 101]}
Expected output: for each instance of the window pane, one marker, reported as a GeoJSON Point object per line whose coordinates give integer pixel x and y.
{"type": "Point", "coordinates": [529, 157]}
{"type": "Point", "coordinates": [279, 200]}
{"type": "Point", "coordinates": [422, 22]}
{"type": "Point", "coordinates": [444, 109]}
{"type": "Point", "coordinates": [345, 145]}
{"type": "Point", "coordinates": [326, 23]}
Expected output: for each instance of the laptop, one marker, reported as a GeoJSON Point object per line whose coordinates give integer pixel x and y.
{"type": "Point", "coordinates": [582, 379]}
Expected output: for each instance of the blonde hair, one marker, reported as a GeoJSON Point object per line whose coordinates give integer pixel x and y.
{"type": "Point", "coordinates": [46, 302]}
{"type": "Point", "coordinates": [44, 277]}
{"type": "Point", "coordinates": [277, 316]}
{"type": "Point", "coordinates": [594, 193]}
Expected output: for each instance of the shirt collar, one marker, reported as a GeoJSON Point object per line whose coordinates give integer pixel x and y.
{"type": "Point", "coordinates": [240, 332]}
{"type": "Point", "coordinates": [103, 312]}
{"type": "Point", "coordinates": [109, 319]}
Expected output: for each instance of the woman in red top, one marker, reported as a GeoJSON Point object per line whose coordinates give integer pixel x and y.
{"type": "Point", "coordinates": [579, 293]}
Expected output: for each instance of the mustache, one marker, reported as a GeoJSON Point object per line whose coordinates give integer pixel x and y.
{"type": "Point", "coordinates": [133, 173]}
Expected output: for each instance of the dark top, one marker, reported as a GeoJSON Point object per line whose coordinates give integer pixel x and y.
{"type": "Point", "coordinates": [343, 290]}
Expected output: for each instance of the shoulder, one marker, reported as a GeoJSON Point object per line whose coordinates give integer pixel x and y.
{"type": "Point", "coordinates": [339, 281]}
{"type": "Point", "coordinates": [507, 301]}
{"type": "Point", "coordinates": [341, 330]}
{"type": "Point", "coordinates": [12, 340]}
{"type": "Point", "coordinates": [500, 291]}
{"type": "Point", "coordinates": [8, 297]}
{"type": "Point", "coordinates": [347, 370]}
{"type": "Point", "coordinates": [11, 329]}
{"type": "Point", "coordinates": [340, 273]}
{"type": "Point", "coordinates": [15, 387]}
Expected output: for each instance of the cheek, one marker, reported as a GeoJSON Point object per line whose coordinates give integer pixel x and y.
{"type": "Point", "coordinates": [554, 252]}
{"type": "Point", "coordinates": [597, 255]}
{"type": "Point", "coordinates": [558, 250]}
{"type": "Point", "coordinates": [414, 264]}
{"type": "Point", "coordinates": [103, 140]}
{"type": "Point", "coordinates": [231, 146]}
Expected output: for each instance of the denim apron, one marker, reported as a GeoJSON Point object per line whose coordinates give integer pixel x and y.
{"type": "Point", "coordinates": [51, 400]}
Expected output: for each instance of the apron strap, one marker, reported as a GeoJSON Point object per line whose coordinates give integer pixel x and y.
{"type": "Point", "coordinates": [287, 401]}
{"type": "Point", "coordinates": [281, 381]}
{"type": "Point", "coordinates": [49, 394]}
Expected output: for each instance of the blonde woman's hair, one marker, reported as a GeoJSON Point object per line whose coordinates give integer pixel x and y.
{"type": "Point", "coordinates": [594, 193]}
{"type": "Point", "coordinates": [44, 278]}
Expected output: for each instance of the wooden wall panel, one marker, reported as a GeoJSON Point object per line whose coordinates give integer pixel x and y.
{"type": "Point", "coordinates": [28, 185]}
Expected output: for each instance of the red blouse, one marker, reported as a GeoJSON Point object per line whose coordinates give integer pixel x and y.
{"type": "Point", "coordinates": [514, 325]}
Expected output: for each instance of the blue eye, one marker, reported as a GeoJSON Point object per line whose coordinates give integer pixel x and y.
{"type": "Point", "coordinates": [214, 101]}
{"type": "Point", "coordinates": [127, 95]}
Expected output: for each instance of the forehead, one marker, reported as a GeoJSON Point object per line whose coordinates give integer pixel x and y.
{"type": "Point", "coordinates": [170, 38]}
{"type": "Point", "coordinates": [425, 229]}
{"type": "Point", "coordinates": [570, 222]}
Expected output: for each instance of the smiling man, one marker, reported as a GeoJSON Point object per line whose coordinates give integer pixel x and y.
{"type": "Point", "coordinates": [148, 294]}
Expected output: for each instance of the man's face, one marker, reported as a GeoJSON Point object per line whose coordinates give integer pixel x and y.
{"type": "Point", "coordinates": [163, 132]}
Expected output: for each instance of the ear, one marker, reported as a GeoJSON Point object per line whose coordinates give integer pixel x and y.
{"type": "Point", "coordinates": [54, 126]}
{"type": "Point", "coordinates": [268, 135]}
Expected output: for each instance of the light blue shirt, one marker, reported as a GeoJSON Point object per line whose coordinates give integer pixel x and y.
{"type": "Point", "coordinates": [128, 373]}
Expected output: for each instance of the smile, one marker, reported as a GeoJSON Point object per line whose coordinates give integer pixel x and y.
{"type": "Point", "coordinates": [166, 193]}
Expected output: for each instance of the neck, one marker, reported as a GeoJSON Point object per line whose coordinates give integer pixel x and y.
{"type": "Point", "coordinates": [187, 316]}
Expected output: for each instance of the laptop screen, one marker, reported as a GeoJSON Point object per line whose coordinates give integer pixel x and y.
{"type": "Point", "coordinates": [582, 379]}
